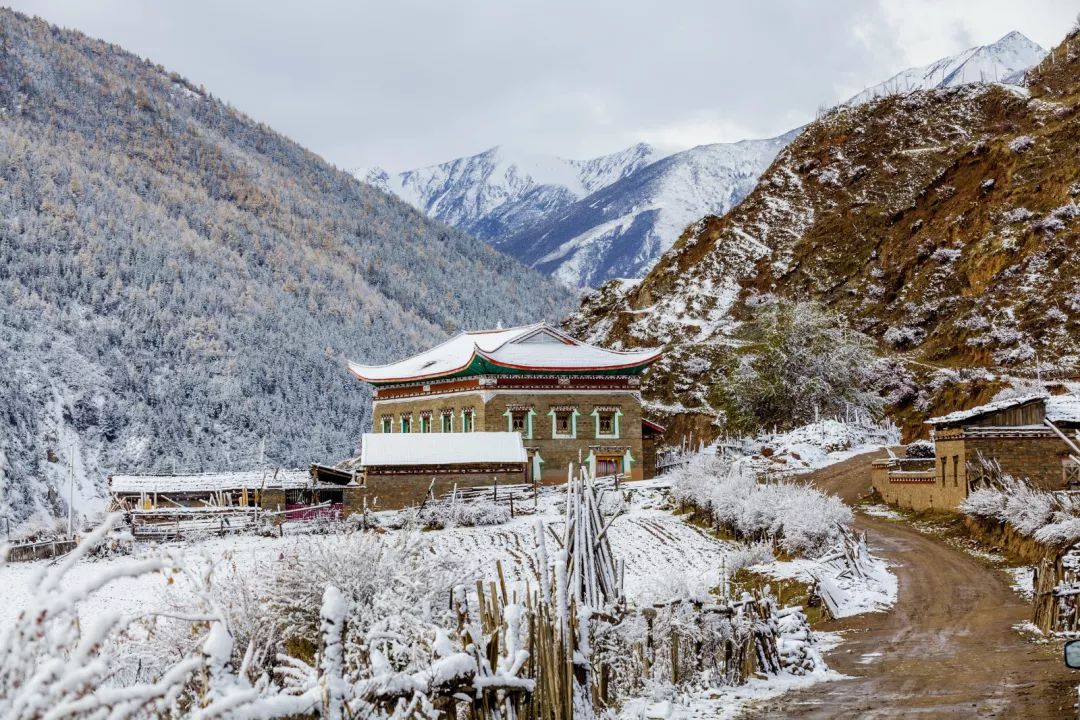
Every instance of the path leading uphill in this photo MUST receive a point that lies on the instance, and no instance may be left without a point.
(946, 650)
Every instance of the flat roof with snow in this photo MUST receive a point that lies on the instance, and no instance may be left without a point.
(428, 449)
(210, 482)
(1063, 409)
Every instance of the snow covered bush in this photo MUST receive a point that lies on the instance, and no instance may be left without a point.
(1019, 214)
(800, 361)
(799, 518)
(920, 449)
(1048, 517)
(393, 581)
(452, 512)
(52, 664)
(1021, 143)
(903, 336)
(946, 255)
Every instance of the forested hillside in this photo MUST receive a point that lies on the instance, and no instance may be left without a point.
(179, 283)
(943, 224)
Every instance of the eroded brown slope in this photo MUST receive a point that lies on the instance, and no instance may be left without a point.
(944, 224)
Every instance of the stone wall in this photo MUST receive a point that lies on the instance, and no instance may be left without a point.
(435, 405)
(558, 453)
(919, 491)
(1037, 459)
(393, 492)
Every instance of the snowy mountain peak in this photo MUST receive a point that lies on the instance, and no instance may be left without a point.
(503, 189)
(1003, 61)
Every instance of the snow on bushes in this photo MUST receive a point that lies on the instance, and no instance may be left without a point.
(799, 360)
(393, 581)
(1047, 517)
(1021, 143)
(799, 518)
(450, 512)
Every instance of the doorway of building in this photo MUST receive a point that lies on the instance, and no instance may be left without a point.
(608, 465)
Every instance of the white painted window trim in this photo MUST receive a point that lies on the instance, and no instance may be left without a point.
(573, 425)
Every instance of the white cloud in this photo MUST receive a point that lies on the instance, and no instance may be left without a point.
(408, 83)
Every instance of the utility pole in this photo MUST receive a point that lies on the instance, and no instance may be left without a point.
(71, 487)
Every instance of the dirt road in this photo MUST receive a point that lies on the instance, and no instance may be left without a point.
(946, 650)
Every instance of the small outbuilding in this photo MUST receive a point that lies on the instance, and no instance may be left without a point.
(1032, 437)
(403, 469)
(291, 492)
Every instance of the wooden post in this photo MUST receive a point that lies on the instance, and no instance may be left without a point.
(674, 658)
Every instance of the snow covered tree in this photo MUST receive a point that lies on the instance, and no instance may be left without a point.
(801, 361)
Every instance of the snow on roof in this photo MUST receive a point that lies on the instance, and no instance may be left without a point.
(537, 347)
(441, 448)
(210, 482)
(961, 415)
(1063, 408)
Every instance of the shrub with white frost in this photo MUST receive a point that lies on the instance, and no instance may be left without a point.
(393, 581)
(1048, 517)
(800, 518)
(1021, 143)
(452, 512)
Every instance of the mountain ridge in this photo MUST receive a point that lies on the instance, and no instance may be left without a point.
(939, 222)
(1004, 61)
(555, 225)
(180, 285)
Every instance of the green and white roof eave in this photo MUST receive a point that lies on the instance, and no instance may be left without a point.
(528, 350)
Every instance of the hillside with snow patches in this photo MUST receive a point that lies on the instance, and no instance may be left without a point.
(1004, 61)
(941, 223)
(180, 285)
(586, 222)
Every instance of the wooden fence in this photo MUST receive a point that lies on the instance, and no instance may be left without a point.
(25, 552)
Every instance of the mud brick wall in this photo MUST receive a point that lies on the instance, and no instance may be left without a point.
(1037, 459)
(558, 453)
(393, 492)
(272, 500)
(919, 492)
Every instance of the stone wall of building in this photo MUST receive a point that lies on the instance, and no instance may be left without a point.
(435, 405)
(957, 461)
(1037, 459)
(915, 491)
(558, 452)
(393, 492)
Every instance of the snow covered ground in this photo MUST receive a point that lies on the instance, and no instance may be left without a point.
(876, 592)
(666, 557)
(815, 446)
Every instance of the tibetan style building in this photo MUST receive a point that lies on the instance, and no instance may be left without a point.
(569, 401)
(1031, 438)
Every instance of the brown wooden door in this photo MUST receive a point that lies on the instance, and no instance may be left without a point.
(607, 466)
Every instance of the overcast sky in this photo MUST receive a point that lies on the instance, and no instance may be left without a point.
(401, 83)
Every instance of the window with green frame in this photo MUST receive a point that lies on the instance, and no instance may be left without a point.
(387, 424)
(466, 421)
(406, 422)
(425, 423)
(448, 421)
